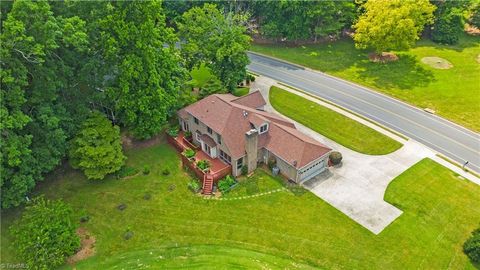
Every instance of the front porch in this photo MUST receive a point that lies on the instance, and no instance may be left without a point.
(217, 170)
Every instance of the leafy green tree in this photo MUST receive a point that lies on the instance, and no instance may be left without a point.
(96, 149)
(145, 73)
(472, 246)
(300, 20)
(34, 118)
(392, 24)
(449, 21)
(475, 15)
(212, 86)
(45, 234)
(217, 40)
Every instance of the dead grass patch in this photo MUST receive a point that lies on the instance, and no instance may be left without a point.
(87, 246)
(437, 62)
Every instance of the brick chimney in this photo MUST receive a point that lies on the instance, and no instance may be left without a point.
(251, 147)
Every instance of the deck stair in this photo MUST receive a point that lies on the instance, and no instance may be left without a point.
(207, 184)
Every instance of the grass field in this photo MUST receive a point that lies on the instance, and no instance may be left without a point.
(287, 229)
(331, 124)
(453, 93)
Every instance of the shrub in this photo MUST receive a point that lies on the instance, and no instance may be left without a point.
(128, 234)
(472, 246)
(173, 131)
(335, 157)
(272, 162)
(225, 184)
(96, 148)
(188, 134)
(166, 171)
(252, 78)
(244, 169)
(146, 170)
(203, 164)
(126, 171)
(194, 186)
(84, 218)
(45, 234)
(147, 196)
(189, 153)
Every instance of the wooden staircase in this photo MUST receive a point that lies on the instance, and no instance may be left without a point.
(207, 184)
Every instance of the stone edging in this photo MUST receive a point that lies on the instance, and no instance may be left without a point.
(246, 197)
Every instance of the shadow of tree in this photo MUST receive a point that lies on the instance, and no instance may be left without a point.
(465, 41)
(405, 73)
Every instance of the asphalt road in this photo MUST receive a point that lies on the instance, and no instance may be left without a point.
(449, 139)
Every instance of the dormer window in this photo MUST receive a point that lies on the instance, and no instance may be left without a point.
(209, 130)
(263, 128)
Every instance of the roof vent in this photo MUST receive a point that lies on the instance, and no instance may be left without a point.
(294, 163)
(245, 114)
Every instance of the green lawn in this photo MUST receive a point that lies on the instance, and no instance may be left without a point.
(240, 91)
(453, 93)
(331, 124)
(176, 228)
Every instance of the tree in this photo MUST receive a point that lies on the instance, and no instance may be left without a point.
(33, 117)
(449, 21)
(212, 86)
(217, 40)
(145, 75)
(96, 149)
(392, 24)
(45, 234)
(295, 20)
(472, 246)
(475, 15)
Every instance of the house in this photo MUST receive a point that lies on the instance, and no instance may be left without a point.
(240, 133)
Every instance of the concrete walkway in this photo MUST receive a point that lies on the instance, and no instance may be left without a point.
(357, 188)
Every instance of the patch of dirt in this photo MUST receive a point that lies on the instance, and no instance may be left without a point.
(437, 62)
(384, 57)
(129, 142)
(478, 58)
(471, 30)
(87, 246)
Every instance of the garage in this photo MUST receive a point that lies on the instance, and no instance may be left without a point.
(311, 171)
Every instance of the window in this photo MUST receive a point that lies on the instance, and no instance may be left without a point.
(219, 139)
(263, 128)
(240, 163)
(198, 135)
(225, 157)
(195, 120)
(209, 130)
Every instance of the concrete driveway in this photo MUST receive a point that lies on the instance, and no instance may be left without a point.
(358, 186)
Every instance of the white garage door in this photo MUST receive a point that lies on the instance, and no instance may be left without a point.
(312, 170)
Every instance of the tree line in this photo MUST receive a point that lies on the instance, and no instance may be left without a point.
(64, 65)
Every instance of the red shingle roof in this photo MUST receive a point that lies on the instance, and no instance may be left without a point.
(232, 120)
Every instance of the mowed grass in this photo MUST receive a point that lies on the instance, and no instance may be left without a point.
(331, 124)
(282, 230)
(240, 91)
(453, 93)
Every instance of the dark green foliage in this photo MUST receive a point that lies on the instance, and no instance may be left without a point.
(128, 234)
(173, 131)
(472, 246)
(146, 169)
(147, 196)
(166, 171)
(225, 184)
(188, 134)
(301, 20)
(36, 116)
(449, 22)
(272, 162)
(212, 86)
(145, 73)
(217, 40)
(121, 206)
(189, 153)
(126, 171)
(96, 148)
(244, 170)
(194, 185)
(335, 157)
(84, 218)
(475, 16)
(203, 164)
(45, 235)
